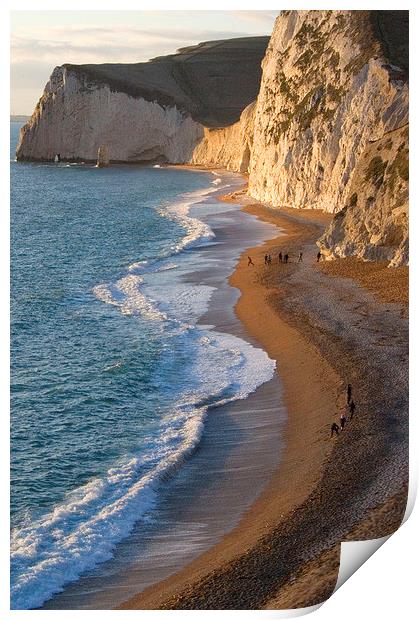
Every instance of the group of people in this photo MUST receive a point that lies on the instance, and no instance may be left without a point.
(350, 408)
(335, 429)
(283, 258)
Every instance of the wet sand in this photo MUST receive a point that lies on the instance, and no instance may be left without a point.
(239, 451)
(324, 331)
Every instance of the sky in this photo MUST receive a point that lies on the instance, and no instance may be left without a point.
(41, 40)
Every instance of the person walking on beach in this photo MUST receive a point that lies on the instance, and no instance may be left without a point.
(334, 429)
(352, 408)
(269, 259)
(342, 421)
(300, 257)
(266, 259)
(250, 262)
(349, 393)
(319, 255)
(280, 257)
(286, 258)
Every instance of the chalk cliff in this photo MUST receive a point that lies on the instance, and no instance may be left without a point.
(330, 128)
(335, 83)
(229, 147)
(374, 222)
(325, 126)
(144, 111)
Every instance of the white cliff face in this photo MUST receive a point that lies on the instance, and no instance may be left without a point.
(74, 118)
(374, 224)
(328, 130)
(330, 101)
(325, 94)
(229, 147)
(144, 111)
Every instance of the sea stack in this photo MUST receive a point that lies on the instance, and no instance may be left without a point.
(102, 156)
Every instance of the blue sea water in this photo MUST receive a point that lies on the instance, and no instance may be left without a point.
(112, 376)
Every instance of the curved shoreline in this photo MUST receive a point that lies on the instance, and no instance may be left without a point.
(283, 535)
(238, 449)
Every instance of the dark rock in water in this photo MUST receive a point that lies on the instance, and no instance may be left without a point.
(102, 156)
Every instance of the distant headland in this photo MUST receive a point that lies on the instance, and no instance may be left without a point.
(19, 118)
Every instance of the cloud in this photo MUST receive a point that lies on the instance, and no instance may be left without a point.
(38, 46)
(267, 17)
(95, 45)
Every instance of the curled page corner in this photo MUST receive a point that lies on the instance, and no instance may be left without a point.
(353, 554)
(411, 498)
(291, 613)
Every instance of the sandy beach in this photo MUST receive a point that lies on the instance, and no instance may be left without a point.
(209, 317)
(239, 449)
(326, 324)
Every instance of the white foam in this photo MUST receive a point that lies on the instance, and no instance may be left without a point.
(216, 368)
(167, 267)
(114, 366)
(228, 367)
(126, 293)
(197, 233)
(83, 530)
(127, 296)
(137, 265)
(181, 301)
(134, 302)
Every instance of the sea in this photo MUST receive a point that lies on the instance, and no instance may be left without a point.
(114, 374)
